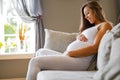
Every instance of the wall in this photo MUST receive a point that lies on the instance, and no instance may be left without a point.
(118, 5)
(62, 15)
(15, 68)
(111, 9)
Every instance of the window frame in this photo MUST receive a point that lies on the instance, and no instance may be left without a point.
(18, 56)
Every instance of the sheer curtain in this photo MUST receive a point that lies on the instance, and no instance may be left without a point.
(31, 10)
(0, 6)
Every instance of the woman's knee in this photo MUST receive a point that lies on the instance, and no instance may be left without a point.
(38, 52)
(33, 61)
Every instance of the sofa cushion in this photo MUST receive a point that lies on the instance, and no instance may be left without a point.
(65, 75)
(93, 64)
(105, 46)
(104, 56)
(58, 40)
(112, 69)
(104, 50)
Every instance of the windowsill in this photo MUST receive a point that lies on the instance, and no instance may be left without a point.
(16, 56)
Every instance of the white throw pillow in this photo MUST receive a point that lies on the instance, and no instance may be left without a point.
(58, 40)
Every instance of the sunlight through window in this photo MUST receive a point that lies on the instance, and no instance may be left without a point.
(16, 37)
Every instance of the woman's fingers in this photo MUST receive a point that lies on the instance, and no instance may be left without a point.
(81, 37)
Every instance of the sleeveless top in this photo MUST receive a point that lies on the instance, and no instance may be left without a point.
(89, 33)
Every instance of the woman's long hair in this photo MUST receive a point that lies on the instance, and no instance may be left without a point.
(97, 9)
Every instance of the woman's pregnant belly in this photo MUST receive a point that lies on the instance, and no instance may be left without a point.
(77, 44)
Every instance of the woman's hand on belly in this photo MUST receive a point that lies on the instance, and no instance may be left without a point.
(82, 37)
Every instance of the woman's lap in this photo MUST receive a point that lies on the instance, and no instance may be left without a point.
(60, 62)
(44, 51)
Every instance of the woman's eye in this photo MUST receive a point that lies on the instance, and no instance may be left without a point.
(87, 13)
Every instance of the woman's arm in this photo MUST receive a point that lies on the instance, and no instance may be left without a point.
(93, 48)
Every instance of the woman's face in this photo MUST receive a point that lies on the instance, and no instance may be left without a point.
(89, 15)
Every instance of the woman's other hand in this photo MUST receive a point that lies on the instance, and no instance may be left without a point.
(81, 37)
(71, 54)
(67, 53)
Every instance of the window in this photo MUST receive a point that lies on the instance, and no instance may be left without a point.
(15, 35)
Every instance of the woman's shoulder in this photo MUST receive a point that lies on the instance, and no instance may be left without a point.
(106, 25)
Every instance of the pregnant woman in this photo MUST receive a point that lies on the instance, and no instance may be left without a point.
(79, 53)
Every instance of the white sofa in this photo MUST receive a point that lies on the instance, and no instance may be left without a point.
(108, 58)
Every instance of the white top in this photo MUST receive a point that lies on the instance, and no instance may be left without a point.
(89, 33)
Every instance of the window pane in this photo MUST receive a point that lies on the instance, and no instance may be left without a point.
(15, 35)
(9, 29)
(10, 44)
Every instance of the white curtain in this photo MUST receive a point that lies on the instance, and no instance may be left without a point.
(31, 10)
(0, 6)
(34, 7)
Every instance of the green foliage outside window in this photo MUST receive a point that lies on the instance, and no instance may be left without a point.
(9, 29)
(1, 44)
